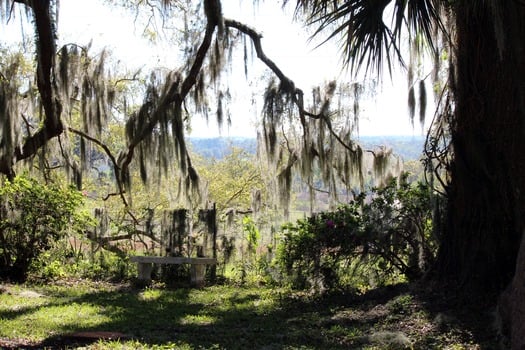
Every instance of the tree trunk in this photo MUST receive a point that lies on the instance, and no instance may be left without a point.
(511, 305)
(487, 189)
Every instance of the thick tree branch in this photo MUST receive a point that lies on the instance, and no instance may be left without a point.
(52, 125)
(177, 92)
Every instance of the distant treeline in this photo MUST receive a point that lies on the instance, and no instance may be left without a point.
(218, 147)
(408, 147)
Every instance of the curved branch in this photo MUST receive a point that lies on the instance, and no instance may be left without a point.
(256, 39)
(287, 83)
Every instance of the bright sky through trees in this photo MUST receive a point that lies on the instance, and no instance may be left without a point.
(286, 43)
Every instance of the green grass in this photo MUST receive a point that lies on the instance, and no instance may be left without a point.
(217, 317)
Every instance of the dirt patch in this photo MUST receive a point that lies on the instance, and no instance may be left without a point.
(24, 293)
(69, 341)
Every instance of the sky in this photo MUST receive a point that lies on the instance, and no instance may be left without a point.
(285, 42)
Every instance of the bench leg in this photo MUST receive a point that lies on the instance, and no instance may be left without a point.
(144, 271)
(198, 271)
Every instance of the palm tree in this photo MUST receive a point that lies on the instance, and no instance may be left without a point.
(485, 115)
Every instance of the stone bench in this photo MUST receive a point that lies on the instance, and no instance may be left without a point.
(197, 269)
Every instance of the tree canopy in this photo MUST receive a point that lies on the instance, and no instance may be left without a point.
(77, 95)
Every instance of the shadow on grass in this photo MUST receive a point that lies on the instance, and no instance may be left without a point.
(467, 315)
(222, 317)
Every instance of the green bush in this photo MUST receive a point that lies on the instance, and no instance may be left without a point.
(385, 234)
(313, 249)
(398, 227)
(33, 216)
(63, 260)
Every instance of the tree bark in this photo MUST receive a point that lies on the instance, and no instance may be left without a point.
(517, 303)
(486, 206)
(511, 305)
(52, 125)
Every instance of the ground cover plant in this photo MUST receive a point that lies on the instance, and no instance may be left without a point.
(235, 317)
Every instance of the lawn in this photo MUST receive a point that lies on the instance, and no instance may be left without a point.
(67, 315)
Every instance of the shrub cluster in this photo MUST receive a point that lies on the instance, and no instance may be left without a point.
(380, 235)
(32, 217)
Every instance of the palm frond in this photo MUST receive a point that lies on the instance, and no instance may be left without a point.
(422, 19)
(366, 41)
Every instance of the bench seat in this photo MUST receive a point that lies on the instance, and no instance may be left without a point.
(197, 268)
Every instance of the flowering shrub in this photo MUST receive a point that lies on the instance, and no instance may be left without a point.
(312, 248)
(388, 229)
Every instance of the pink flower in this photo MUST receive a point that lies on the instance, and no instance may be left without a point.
(330, 224)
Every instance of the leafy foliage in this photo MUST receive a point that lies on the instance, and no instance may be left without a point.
(32, 217)
(389, 230)
(231, 180)
(252, 233)
(70, 260)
